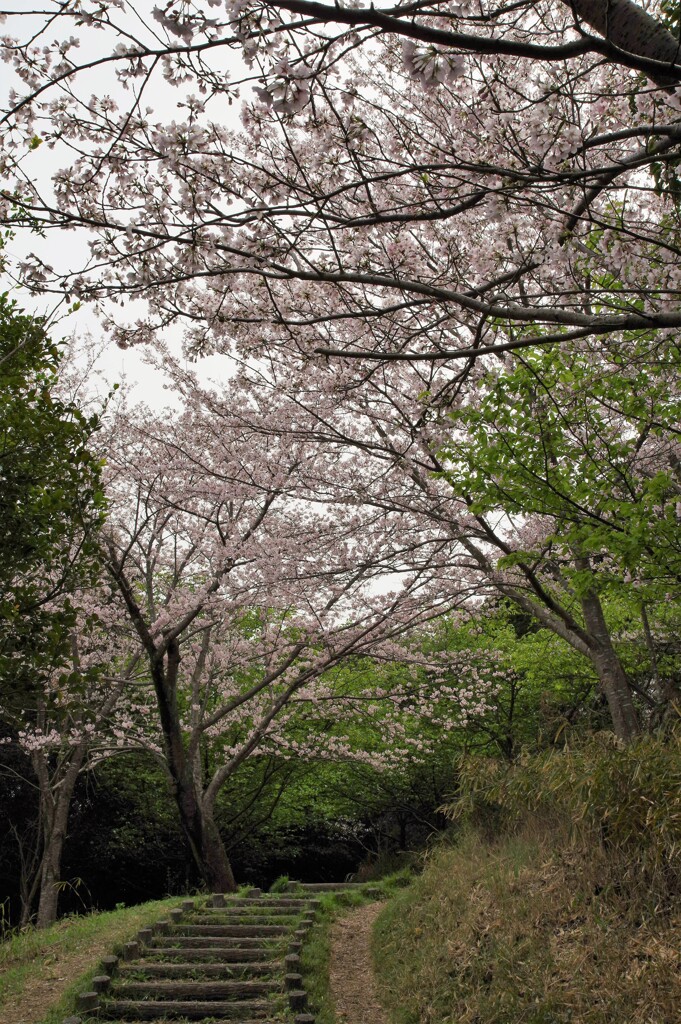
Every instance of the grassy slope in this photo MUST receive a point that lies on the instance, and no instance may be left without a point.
(41, 972)
(522, 933)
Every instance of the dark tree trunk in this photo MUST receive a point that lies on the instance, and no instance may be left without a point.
(196, 814)
(203, 836)
(630, 28)
(56, 803)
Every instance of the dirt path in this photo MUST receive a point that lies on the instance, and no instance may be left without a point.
(53, 974)
(351, 974)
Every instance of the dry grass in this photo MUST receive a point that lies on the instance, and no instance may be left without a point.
(522, 932)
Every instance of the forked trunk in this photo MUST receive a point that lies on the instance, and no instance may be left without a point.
(55, 805)
(216, 869)
(204, 839)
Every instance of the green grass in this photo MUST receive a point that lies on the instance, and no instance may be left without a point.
(24, 956)
(522, 932)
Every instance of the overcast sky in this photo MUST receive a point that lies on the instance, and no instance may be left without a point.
(69, 248)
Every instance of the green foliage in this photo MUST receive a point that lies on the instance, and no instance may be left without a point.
(546, 688)
(280, 884)
(589, 449)
(124, 835)
(51, 501)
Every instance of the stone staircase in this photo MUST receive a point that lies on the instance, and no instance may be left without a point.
(232, 959)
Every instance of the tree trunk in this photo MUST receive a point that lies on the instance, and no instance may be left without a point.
(203, 836)
(611, 675)
(49, 881)
(217, 871)
(56, 794)
(55, 818)
(615, 686)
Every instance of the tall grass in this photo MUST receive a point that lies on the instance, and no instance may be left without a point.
(519, 933)
(558, 904)
(621, 806)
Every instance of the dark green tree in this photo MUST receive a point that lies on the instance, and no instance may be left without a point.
(51, 507)
(51, 501)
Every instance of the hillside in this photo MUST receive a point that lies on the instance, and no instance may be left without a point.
(526, 931)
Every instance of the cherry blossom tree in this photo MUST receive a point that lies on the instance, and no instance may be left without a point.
(556, 475)
(468, 174)
(75, 717)
(432, 188)
(247, 570)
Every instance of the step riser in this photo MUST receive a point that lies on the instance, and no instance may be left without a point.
(209, 970)
(201, 990)
(230, 955)
(230, 930)
(256, 920)
(209, 942)
(256, 904)
(191, 1010)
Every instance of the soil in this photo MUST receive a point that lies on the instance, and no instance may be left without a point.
(351, 974)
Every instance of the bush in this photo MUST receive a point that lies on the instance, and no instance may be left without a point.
(624, 801)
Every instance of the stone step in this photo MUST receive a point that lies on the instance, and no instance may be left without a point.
(191, 1009)
(229, 930)
(208, 1020)
(263, 903)
(206, 941)
(195, 990)
(206, 954)
(208, 969)
(235, 915)
(327, 886)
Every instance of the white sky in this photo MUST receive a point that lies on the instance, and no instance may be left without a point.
(142, 381)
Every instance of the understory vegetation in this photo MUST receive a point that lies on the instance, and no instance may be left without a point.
(557, 901)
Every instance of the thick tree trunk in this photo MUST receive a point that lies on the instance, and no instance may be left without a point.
(205, 842)
(217, 870)
(618, 693)
(196, 814)
(630, 28)
(49, 882)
